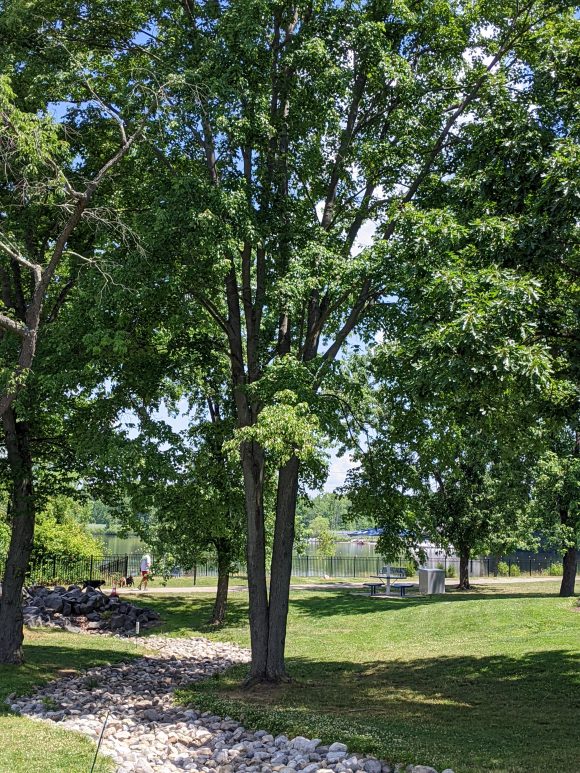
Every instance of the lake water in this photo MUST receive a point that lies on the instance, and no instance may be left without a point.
(121, 546)
(132, 544)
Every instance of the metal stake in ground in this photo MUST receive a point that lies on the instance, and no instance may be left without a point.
(100, 740)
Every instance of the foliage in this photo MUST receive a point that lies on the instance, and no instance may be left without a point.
(325, 540)
(554, 570)
(556, 491)
(61, 530)
(508, 570)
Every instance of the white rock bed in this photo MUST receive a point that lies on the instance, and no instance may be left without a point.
(147, 733)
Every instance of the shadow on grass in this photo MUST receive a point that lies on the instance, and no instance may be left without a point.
(472, 714)
(328, 603)
(185, 614)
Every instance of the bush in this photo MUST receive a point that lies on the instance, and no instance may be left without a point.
(504, 570)
(451, 571)
(555, 570)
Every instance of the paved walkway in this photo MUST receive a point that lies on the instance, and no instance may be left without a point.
(159, 589)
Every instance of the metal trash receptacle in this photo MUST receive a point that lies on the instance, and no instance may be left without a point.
(431, 581)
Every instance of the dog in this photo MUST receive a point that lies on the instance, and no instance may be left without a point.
(126, 581)
(96, 584)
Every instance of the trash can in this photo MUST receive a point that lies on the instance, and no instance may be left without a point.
(431, 581)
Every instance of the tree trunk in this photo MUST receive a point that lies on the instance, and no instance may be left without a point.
(224, 552)
(253, 469)
(569, 574)
(282, 569)
(464, 570)
(22, 511)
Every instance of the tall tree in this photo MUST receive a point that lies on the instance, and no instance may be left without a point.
(311, 121)
(556, 500)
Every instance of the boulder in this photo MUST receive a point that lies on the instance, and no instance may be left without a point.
(96, 625)
(54, 601)
(117, 621)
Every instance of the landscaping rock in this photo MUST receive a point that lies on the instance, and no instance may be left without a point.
(146, 731)
(73, 609)
(54, 601)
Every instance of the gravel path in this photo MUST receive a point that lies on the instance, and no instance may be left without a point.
(147, 733)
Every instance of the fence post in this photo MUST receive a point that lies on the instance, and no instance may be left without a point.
(307, 565)
(91, 569)
(331, 572)
(530, 566)
(354, 566)
(509, 567)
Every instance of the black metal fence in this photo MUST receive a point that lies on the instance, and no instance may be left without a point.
(110, 568)
(367, 566)
(53, 570)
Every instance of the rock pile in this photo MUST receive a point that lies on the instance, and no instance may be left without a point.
(145, 732)
(87, 610)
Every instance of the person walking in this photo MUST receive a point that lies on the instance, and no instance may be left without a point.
(145, 567)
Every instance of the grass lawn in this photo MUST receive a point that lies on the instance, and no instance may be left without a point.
(477, 681)
(480, 681)
(27, 746)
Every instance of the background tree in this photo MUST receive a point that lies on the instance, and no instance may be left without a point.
(556, 501)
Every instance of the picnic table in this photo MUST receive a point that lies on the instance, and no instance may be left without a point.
(389, 573)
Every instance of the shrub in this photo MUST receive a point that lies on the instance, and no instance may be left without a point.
(451, 571)
(410, 568)
(555, 570)
(502, 569)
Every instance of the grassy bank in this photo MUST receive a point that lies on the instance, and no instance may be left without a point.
(486, 680)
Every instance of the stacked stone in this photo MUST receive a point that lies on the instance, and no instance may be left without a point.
(145, 732)
(79, 610)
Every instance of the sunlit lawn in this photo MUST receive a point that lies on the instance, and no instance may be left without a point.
(486, 680)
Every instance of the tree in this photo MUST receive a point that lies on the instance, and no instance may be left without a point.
(320, 530)
(556, 500)
(294, 125)
(433, 470)
(50, 201)
(198, 508)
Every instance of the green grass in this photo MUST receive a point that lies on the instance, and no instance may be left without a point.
(485, 680)
(479, 681)
(27, 746)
